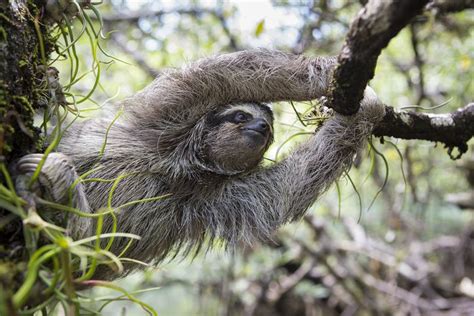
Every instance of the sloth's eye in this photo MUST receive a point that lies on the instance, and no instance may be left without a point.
(241, 117)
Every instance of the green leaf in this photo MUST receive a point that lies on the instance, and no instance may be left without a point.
(260, 28)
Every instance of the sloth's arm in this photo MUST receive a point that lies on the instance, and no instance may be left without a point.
(286, 190)
(246, 76)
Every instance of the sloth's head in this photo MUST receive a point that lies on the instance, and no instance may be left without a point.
(228, 140)
(238, 136)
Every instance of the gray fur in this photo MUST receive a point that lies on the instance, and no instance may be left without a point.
(159, 140)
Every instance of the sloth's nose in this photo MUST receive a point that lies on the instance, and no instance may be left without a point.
(259, 125)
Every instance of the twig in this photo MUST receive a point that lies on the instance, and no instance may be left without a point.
(134, 16)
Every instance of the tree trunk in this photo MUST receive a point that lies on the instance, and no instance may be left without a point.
(25, 46)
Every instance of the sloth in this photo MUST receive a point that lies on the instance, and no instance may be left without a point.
(196, 137)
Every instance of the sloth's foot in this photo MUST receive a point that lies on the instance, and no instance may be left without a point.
(55, 179)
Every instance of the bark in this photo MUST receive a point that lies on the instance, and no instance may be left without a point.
(375, 25)
(19, 69)
(22, 93)
(453, 129)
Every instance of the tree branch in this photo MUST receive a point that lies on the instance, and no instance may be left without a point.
(134, 16)
(453, 129)
(370, 32)
(451, 6)
(121, 41)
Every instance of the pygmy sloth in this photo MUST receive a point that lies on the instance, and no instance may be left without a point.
(198, 135)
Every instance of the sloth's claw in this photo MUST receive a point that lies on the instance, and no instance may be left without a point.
(57, 173)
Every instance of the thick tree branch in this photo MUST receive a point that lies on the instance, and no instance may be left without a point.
(370, 32)
(453, 129)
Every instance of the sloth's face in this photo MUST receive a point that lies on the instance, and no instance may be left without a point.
(238, 136)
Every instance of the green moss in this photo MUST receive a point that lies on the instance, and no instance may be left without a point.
(23, 63)
(24, 102)
(22, 92)
(3, 34)
(11, 275)
(6, 18)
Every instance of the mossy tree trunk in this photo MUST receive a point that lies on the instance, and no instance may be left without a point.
(24, 50)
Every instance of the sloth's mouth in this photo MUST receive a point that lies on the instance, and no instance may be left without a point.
(258, 138)
(254, 131)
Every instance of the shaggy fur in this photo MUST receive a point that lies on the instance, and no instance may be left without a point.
(158, 144)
